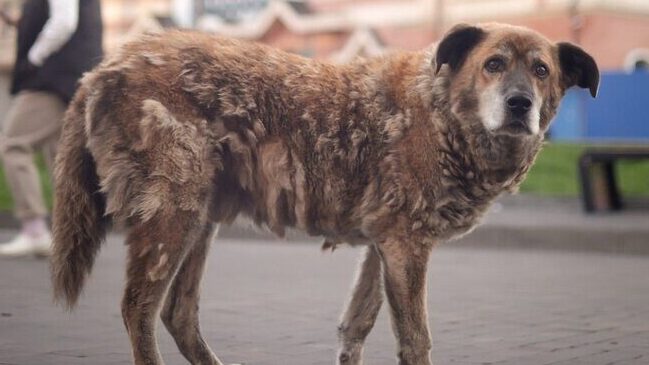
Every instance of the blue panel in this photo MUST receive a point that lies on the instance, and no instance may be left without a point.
(569, 121)
(621, 108)
(619, 113)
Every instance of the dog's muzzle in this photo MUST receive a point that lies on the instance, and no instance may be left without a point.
(518, 110)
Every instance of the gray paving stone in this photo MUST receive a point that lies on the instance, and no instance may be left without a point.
(611, 357)
(278, 303)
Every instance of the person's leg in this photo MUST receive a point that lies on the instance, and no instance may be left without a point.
(48, 147)
(34, 120)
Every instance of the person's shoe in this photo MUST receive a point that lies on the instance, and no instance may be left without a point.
(24, 245)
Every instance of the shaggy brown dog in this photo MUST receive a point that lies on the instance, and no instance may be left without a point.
(181, 131)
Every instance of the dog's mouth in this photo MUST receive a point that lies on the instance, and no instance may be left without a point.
(516, 127)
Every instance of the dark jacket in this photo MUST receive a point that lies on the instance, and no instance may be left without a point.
(61, 70)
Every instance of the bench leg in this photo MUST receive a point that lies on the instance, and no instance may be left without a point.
(611, 182)
(586, 184)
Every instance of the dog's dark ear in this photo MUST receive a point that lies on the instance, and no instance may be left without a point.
(455, 46)
(578, 68)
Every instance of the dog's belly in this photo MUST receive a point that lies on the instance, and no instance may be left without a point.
(287, 191)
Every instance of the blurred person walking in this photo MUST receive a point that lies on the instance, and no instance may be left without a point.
(58, 40)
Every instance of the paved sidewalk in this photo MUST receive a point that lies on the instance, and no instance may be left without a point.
(527, 221)
(277, 303)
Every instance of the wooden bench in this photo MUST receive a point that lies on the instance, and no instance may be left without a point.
(597, 175)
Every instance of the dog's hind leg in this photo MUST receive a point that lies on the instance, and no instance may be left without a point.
(180, 311)
(362, 309)
(157, 248)
(404, 272)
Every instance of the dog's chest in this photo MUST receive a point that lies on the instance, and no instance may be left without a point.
(451, 198)
(452, 212)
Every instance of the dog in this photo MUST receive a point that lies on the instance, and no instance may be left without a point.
(177, 133)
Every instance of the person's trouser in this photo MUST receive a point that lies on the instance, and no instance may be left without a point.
(33, 122)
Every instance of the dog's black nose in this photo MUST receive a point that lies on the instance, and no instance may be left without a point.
(519, 104)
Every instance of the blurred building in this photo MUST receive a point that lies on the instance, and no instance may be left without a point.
(124, 19)
(231, 10)
(616, 32)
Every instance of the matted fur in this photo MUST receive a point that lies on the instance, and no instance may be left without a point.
(181, 131)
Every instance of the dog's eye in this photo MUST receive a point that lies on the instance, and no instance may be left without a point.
(541, 70)
(494, 65)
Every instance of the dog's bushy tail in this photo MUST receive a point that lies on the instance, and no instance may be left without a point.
(78, 221)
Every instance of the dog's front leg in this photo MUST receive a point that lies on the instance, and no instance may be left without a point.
(404, 273)
(362, 309)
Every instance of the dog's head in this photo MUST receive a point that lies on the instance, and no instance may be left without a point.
(510, 79)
